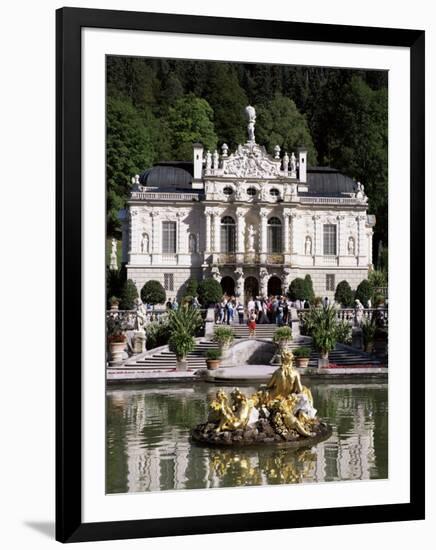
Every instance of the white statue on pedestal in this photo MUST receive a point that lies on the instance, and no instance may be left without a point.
(351, 247)
(251, 115)
(251, 234)
(293, 165)
(144, 243)
(113, 261)
(141, 315)
(308, 246)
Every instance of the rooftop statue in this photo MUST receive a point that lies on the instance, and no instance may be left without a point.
(251, 115)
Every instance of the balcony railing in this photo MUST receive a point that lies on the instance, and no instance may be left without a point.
(274, 259)
(139, 195)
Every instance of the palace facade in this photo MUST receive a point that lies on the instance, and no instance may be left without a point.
(252, 220)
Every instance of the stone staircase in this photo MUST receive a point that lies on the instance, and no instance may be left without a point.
(262, 330)
(166, 360)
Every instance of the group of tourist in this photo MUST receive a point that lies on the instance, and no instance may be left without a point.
(271, 310)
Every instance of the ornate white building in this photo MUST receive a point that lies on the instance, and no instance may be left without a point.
(251, 220)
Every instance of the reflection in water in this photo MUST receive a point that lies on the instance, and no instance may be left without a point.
(149, 449)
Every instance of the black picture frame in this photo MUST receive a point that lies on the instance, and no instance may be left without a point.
(69, 23)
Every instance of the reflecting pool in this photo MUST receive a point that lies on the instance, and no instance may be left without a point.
(148, 447)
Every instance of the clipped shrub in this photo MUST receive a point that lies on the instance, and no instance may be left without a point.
(308, 286)
(209, 292)
(223, 335)
(153, 293)
(213, 354)
(297, 289)
(129, 294)
(302, 352)
(344, 295)
(364, 292)
(282, 334)
(191, 287)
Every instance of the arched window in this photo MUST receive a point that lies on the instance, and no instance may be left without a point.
(274, 236)
(228, 234)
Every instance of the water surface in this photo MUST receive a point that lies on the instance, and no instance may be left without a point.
(148, 446)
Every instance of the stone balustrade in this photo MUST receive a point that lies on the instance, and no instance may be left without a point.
(127, 317)
(356, 317)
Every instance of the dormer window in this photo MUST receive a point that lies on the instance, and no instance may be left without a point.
(251, 192)
(274, 192)
(228, 191)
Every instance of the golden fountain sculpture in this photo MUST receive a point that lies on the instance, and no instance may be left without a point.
(281, 412)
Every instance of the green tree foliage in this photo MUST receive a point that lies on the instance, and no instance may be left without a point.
(228, 101)
(129, 294)
(364, 292)
(302, 289)
(322, 326)
(185, 319)
(190, 121)
(280, 123)
(297, 289)
(309, 292)
(340, 115)
(191, 287)
(209, 292)
(153, 293)
(129, 149)
(344, 295)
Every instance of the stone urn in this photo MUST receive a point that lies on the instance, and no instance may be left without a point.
(182, 364)
(117, 349)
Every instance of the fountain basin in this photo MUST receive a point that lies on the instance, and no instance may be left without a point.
(260, 434)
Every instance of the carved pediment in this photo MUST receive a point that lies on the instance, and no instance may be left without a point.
(250, 161)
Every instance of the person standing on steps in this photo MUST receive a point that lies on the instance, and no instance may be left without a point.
(252, 324)
(240, 310)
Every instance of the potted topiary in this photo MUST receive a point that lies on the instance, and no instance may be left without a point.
(369, 329)
(302, 356)
(181, 343)
(283, 338)
(223, 336)
(116, 340)
(213, 359)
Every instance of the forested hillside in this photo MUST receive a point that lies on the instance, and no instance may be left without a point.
(157, 108)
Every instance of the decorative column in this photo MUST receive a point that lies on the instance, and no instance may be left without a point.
(216, 231)
(208, 243)
(360, 238)
(240, 235)
(286, 215)
(155, 249)
(316, 236)
(340, 245)
(370, 234)
(263, 233)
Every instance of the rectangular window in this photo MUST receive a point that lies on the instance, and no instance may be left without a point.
(329, 239)
(168, 237)
(330, 282)
(169, 281)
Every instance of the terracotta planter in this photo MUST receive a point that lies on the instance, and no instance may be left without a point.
(324, 354)
(284, 345)
(302, 362)
(213, 364)
(117, 350)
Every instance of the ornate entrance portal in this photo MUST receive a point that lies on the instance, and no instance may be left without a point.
(251, 288)
(274, 286)
(228, 286)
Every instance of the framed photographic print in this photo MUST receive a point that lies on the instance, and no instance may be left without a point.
(240, 231)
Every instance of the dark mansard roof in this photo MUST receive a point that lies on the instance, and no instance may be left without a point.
(172, 176)
(177, 176)
(328, 181)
